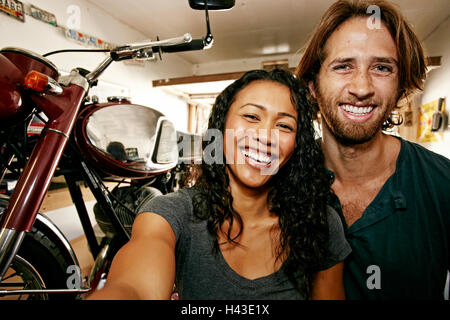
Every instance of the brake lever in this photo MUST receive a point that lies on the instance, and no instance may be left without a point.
(142, 49)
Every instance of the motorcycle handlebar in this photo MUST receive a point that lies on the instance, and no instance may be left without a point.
(142, 49)
(197, 44)
(186, 38)
(131, 51)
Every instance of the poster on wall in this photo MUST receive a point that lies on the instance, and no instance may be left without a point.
(424, 133)
(86, 40)
(13, 8)
(42, 15)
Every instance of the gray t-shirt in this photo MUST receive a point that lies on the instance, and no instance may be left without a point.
(200, 274)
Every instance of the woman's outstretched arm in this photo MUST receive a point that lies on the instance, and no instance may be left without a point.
(328, 284)
(144, 268)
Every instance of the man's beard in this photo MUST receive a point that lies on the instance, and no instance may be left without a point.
(348, 133)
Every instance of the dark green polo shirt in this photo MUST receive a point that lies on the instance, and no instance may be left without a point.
(400, 245)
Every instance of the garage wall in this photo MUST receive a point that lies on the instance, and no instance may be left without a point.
(437, 84)
(135, 80)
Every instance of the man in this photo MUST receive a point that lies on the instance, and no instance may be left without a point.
(394, 196)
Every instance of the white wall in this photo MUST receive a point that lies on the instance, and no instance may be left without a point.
(39, 37)
(437, 84)
(132, 80)
(243, 64)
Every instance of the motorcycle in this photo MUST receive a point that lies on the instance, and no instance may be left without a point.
(86, 143)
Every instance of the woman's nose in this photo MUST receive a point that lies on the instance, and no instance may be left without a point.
(265, 134)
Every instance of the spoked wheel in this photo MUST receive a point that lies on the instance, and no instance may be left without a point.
(45, 260)
(21, 275)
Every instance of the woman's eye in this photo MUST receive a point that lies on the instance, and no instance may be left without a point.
(286, 127)
(251, 117)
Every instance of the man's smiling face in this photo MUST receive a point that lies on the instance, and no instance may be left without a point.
(358, 83)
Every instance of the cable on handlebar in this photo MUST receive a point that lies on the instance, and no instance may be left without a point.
(75, 50)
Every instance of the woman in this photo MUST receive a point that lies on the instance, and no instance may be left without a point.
(255, 225)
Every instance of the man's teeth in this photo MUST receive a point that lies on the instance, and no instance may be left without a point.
(356, 110)
(257, 157)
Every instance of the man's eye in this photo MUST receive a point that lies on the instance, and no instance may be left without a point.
(342, 67)
(383, 68)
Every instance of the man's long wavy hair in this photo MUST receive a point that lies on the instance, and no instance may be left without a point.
(411, 64)
(298, 192)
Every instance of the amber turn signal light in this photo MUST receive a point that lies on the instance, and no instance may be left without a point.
(36, 81)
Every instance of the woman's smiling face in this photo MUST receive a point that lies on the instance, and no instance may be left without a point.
(260, 132)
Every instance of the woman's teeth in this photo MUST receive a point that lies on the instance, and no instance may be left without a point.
(356, 110)
(261, 158)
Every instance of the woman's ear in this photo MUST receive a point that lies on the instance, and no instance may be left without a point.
(312, 89)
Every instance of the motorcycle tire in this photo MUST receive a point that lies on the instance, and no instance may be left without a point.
(46, 258)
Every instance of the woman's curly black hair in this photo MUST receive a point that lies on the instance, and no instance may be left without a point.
(298, 191)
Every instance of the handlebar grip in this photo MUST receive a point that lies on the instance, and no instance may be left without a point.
(197, 44)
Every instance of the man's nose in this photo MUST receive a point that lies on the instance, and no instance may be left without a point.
(361, 85)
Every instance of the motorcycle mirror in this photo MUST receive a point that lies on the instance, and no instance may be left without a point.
(212, 4)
